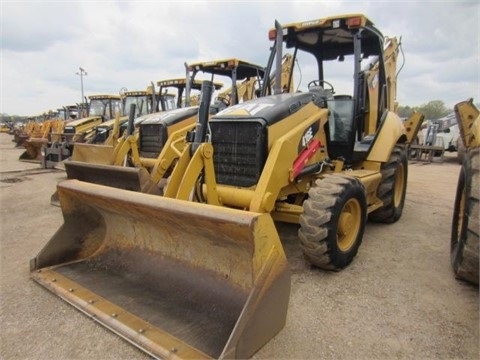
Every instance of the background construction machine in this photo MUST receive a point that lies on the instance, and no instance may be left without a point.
(100, 109)
(147, 160)
(114, 152)
(91, 162)
(200, 271)
(39, 138)
(108, 132)
(39, 132)
(466, 216)
(145, 101)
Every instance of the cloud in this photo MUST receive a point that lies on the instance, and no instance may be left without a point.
(33, 26)
(131, 43)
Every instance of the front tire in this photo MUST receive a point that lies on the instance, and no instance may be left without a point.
(464, 249)
(393, 187)
(333, 222)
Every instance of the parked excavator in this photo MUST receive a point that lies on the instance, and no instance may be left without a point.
(200, 272)
(100, 109)
(464, 250)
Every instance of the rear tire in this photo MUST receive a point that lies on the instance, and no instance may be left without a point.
(464, 250)
(393, 187)
(461, 150)
(333, 222)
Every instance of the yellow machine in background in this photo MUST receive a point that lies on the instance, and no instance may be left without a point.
(115, 149)
(200, 272)
(91, 161)
(98, 145)
(100, 109)
(39, 138)
(5, 128)
(161, 136)
(39, 133)
(466, 215)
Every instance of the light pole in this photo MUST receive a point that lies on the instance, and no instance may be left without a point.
(82, 73)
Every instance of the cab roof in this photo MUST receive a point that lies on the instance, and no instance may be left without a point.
(332, 36)
(182, 82)
(136, 93)
(224, 67)
(103, 97)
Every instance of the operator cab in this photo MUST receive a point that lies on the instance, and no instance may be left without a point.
(347, 54)
(244, 77)
(106, 106)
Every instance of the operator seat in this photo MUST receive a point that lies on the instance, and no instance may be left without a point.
(322, 98)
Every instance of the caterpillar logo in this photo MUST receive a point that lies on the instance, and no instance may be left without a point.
(308, 136)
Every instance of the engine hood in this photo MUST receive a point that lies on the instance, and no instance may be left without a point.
(170, 116)
(270, 108)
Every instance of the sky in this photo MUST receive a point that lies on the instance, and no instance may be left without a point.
(129, 44)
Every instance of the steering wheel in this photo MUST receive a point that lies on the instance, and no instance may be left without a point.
(321, 83)
(224, 99)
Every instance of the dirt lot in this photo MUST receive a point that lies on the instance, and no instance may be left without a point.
(397, 300)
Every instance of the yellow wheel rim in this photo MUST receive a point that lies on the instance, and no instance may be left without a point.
(349, 224)
(399, 185)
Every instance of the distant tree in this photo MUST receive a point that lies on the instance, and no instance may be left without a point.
(404, 111)
(434, 110)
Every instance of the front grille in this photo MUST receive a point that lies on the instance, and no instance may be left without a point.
(240, 150)
(100, 137)
(152, 139)
(69, 130)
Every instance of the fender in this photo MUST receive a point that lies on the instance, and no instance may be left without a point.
(468, 120)
(390, 133)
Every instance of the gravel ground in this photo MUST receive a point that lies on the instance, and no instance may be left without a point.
(397, 300)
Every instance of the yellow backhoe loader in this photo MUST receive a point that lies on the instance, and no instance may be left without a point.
(162, 136)
(157, 130)
(466, 217)
(115, 149)
(33, 127)
(200, 272)
(90, 161)
(39, 138)
(108, 132)
(35, 131)
(100, 109)
(22, 133)
(6, 127)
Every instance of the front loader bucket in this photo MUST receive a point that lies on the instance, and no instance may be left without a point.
(33, 149)
(175, 278)
(93, 153)
(120, 177)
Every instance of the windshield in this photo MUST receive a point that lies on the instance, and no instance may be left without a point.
(105, 107)
(97, 107)
(143, 106)
(170, 103)
(62, 114)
